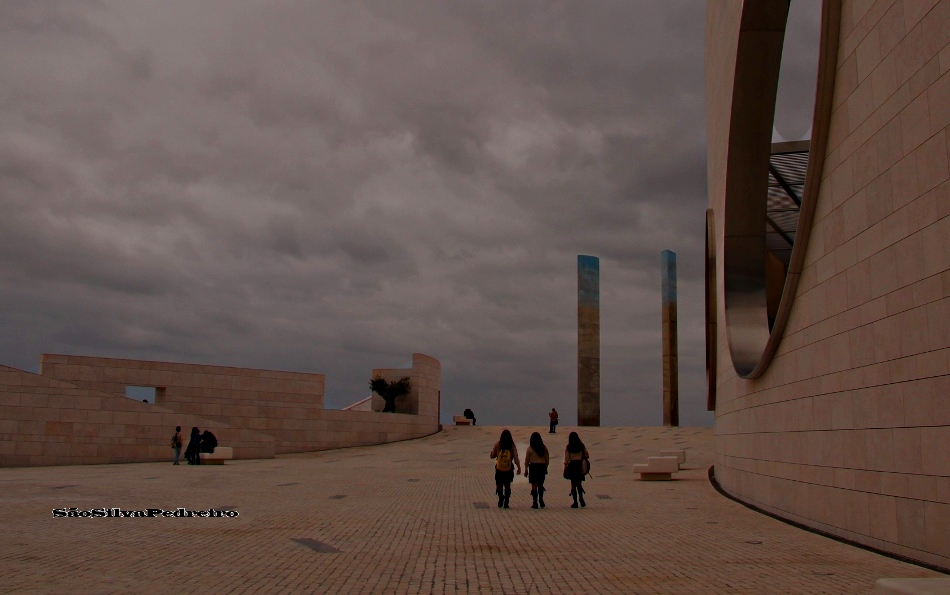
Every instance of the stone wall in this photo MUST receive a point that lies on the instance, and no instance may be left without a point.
(47, 422)
(848, 429)
(285, 405)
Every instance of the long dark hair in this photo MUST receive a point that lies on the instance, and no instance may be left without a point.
(194, 431)
(574, 443)
(505, 442)
(537, 445)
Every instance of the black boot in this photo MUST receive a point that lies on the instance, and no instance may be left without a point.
(541, 496)
(507, 495)
(534, 498)
(581, 495)
(501, 496)
(574, 495)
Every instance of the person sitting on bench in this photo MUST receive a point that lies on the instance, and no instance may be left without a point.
(467, 414)
(208, 442)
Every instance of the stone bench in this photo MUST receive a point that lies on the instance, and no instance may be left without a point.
(657, 468)
(218, 457)
(912, 586)
(679, 454)
(461, 420)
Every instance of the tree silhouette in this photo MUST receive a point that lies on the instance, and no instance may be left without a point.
(390, 391)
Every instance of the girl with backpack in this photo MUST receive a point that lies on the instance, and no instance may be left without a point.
(536, 468)
(505, 453)
(575, 461)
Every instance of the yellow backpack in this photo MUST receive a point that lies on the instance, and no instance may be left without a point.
(503, 462)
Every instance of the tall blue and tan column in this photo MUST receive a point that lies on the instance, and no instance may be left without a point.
(671, 385)
(588, 341)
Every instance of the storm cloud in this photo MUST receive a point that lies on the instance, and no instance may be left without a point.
(331, 186)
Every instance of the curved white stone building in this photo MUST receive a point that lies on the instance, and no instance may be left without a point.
(828, 273)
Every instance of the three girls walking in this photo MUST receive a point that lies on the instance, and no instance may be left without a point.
(536, 462)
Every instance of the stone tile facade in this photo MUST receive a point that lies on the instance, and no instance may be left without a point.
(285, 405)
(75, 411)
(47, 422)
(848, 429)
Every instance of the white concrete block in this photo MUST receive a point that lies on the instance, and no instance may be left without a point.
(679, 454)
(912, 586)
(663, 464)
(218, 457)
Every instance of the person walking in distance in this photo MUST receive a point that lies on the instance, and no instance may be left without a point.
(536, 468)
(505, 454)
(176, 444)
(575, 458)
(553, 417)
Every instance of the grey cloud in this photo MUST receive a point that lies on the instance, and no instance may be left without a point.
(799, 70)
(330, 187)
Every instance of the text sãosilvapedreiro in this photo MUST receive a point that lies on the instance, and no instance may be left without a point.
(147, 513)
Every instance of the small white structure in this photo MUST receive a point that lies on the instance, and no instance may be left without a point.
(657, 468)
(912, 586)
(218, 457)
(679, 454)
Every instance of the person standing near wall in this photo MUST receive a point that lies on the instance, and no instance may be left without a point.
(536, 468)
(553, 417)
(176, 444)
(194, 446)
(505, 454)
(575, 456)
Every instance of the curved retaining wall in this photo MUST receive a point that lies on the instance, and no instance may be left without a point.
(848, 428)
(75, 411)
(287, 406)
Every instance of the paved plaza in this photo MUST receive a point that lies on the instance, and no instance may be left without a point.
(415, 517)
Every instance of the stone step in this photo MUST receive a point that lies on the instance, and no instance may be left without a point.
(663, 464)
(912, 586)
(679, 454)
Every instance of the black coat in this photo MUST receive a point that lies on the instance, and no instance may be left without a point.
(208, 442)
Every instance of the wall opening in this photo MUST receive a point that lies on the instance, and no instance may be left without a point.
(791, 139)
(780, 101)
(148, 394)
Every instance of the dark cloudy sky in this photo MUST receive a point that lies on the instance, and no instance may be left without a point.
(331, 186)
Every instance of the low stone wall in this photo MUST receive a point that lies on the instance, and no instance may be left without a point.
(44, 421)
(343, 429)
(285, 405)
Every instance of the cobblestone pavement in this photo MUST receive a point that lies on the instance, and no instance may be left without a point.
(411, 517)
